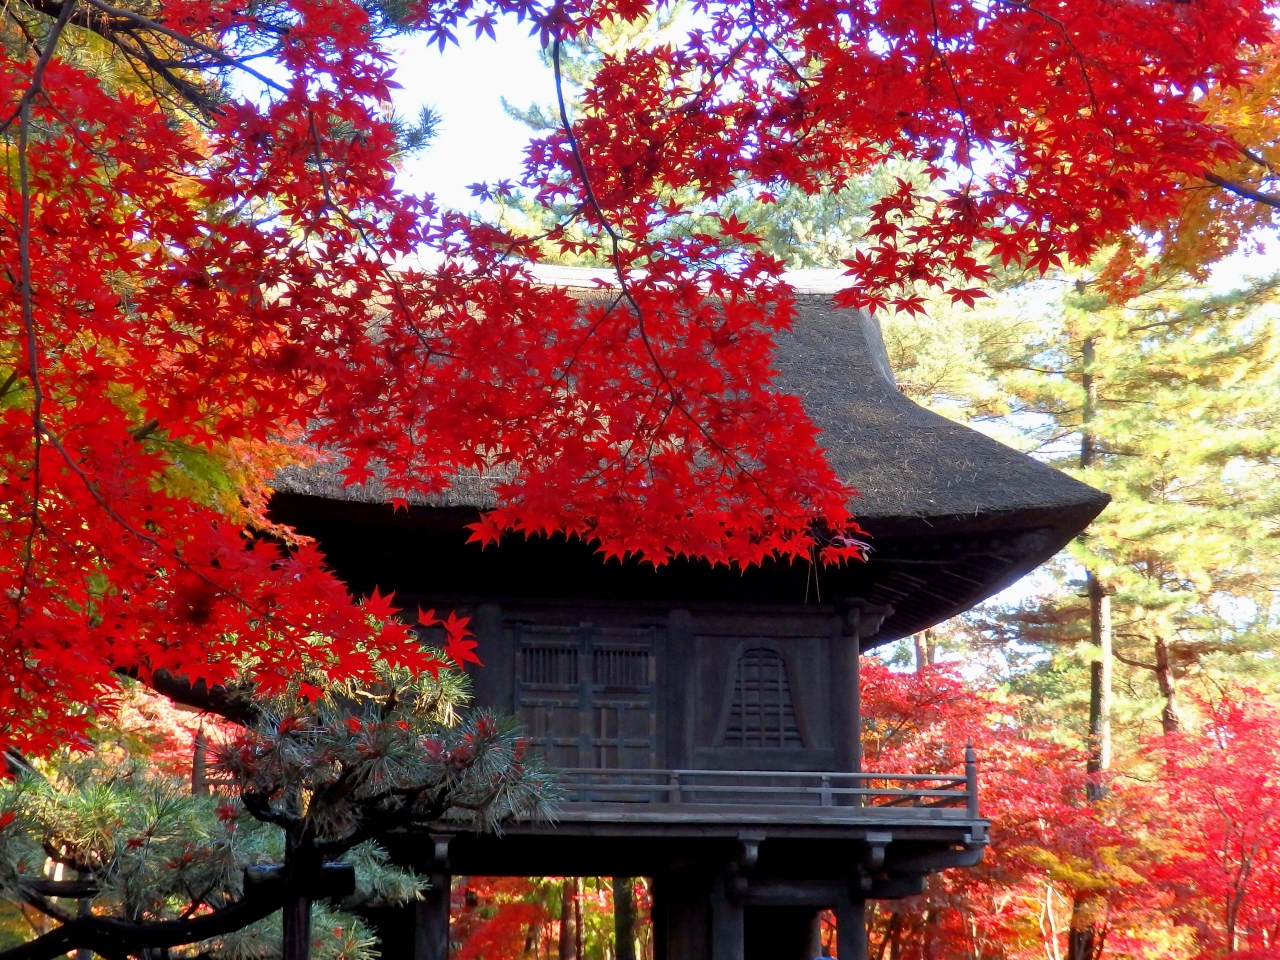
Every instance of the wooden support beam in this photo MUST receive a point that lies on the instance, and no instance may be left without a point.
(727, 931)
(431, 921)
(851, 929)
(682, 915)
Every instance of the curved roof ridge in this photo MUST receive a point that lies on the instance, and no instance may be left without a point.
(813, 280)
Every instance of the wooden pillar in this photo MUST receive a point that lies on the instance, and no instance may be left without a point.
(855, 657)
(431, 920)
(845, 698)
(675, 676)
(860, 621)
(658, 916)
(851, 929)
(682, 915)
(727, 928)
(493, 684)
(783, 933)
(813, 941)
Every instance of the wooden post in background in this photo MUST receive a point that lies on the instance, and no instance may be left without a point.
(624, 918)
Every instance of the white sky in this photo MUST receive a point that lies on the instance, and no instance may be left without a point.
(477, 141)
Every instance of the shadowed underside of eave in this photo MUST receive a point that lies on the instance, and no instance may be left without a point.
(926, 573)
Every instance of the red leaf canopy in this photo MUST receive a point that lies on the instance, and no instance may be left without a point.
(205, 256)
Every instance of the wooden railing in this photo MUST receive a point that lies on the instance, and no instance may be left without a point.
(773, 788)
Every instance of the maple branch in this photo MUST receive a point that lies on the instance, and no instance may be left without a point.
(1244, 190)
(1070, 44)
(615, 239)
(758, 31)
(396, 286)
(28, 308)
(39, 430)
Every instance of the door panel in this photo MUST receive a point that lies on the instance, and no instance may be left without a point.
(586, 694)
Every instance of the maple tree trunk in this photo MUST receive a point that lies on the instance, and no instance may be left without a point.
(1233, 914)
(624, 918)
(929, 936)
(1088, 933)
(1170, 717)
(532, 940)
(569, 920)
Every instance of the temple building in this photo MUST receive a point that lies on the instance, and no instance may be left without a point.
(705, 720)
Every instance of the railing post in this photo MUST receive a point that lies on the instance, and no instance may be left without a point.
(826, 790)
(673, 787)
(971, 780)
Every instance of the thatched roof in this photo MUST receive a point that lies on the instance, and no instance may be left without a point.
(953, 516)
(905, 461)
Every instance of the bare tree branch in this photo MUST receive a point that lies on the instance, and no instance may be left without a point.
(1244, 190)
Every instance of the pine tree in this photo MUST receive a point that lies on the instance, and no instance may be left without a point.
(309, 787)
(1182, 430)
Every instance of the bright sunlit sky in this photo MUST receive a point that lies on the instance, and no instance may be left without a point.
(477, 141)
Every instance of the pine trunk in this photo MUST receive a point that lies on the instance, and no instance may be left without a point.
(926, 649)
(569, 920)
(1099, 684)
(1170, 716)
(1099, 601)
(200, 765)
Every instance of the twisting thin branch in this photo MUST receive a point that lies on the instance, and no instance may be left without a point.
(221, 56)
(28, 305)
(616, 239)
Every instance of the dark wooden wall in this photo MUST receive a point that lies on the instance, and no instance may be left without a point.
(639, 686)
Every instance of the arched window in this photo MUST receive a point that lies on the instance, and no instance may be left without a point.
(761, 713)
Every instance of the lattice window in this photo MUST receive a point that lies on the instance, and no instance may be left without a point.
(549, 666)
(621, 668)
(762, 713)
